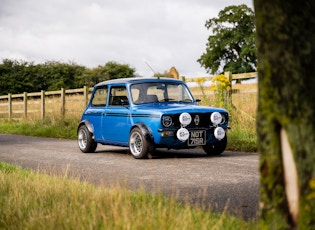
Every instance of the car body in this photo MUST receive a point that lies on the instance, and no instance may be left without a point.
(148, 113)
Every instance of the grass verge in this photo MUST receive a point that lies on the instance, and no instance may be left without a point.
(31, 200)
(242, 136)
(57, 127)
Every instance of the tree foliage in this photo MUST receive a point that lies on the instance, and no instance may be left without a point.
(111, 70)
(15, 76)
(55, 75)
(21, 76)
(231, 47)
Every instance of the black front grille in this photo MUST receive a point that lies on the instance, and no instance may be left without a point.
(204, 120)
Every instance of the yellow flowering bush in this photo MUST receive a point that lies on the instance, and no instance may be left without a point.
(221, 87)
(200, 82)
(220, 82)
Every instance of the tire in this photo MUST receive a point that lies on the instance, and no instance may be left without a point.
(85, 140)
(139, 146)
(217, 148)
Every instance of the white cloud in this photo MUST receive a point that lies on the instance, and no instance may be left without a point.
(162, 33)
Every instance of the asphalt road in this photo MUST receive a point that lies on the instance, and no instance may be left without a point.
(227, 183)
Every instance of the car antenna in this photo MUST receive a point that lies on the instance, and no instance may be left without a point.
(151, 68)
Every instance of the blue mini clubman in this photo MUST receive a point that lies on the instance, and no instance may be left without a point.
(148, 113)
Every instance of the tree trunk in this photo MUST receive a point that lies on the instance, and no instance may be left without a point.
(286, 112)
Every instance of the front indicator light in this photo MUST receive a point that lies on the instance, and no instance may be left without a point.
(167, 134)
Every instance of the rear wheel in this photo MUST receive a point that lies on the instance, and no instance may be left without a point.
(139, 146)
(217, 148)
(85, 140)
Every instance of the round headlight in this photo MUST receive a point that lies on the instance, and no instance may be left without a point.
(185, 119)
(167, 121)
(219, 133)
(182, 134)
(216, 118)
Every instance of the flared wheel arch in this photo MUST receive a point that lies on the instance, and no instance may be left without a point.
(145, 131)
(88, 125)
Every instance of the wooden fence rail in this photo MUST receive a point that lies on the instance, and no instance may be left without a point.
(10, 105)
(41, 98)
(237, 77)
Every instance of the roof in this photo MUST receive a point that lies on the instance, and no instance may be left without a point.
(138, 80)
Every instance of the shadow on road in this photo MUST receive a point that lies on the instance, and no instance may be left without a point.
(163, 153)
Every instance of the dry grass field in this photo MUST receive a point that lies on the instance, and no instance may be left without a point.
(244, 98)
(74, 106)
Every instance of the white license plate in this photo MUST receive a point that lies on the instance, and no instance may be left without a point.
(197, 137)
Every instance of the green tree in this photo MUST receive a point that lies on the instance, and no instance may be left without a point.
(21, 76)
(58, 75)
(231, 47)
(16, 76)
(111, 70)
(286, 112)
(114, 70)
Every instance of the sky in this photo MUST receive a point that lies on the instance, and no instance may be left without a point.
(145, 34)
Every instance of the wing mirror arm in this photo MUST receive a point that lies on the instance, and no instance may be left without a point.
(124, 103)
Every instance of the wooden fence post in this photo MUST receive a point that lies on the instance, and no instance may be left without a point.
(10, 106)
(42, 95)
(25, 104)
(228, 95)
(63, 101)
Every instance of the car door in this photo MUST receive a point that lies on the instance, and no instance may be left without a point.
(116, 122)
(96, 111)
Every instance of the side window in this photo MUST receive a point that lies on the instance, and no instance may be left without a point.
(118, 96)
(100, 96)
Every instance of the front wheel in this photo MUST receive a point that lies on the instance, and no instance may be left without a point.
(217, 148)
(85, 140)
(139, 146)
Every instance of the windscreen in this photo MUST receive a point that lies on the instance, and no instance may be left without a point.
(144, 93)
